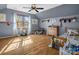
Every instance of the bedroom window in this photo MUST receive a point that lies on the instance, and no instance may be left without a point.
(34, 21)
(22, 24)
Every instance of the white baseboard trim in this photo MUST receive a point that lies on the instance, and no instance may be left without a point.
(6, 37)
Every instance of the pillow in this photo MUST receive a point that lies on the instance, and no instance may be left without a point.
(72, 31)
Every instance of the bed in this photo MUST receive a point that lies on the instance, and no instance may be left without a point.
(72, 36)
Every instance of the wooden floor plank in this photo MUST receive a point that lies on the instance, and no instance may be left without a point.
(27, 45)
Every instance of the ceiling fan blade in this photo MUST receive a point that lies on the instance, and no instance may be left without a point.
(39, 8)
(36, 10)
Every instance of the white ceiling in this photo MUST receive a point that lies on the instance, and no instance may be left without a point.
(20, 7)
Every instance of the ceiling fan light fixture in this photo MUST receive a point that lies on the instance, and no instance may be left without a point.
(34, 7)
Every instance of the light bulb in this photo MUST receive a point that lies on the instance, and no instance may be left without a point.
(74, 20)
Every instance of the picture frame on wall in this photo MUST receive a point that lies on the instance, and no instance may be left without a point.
(2, 17)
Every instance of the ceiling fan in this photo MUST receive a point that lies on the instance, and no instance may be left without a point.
(34, 7)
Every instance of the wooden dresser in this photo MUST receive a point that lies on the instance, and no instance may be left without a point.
(53, 30)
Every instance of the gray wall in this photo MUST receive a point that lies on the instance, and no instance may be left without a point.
(56, 13)
(63, 10)
(3, 6)
(55, 21)
(8, 30)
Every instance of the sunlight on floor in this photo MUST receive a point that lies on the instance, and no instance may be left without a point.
(5, 47)
(16, 40)
(16, 43)
(26, 42)
(25, 45)
(27, 38)
(12, 47)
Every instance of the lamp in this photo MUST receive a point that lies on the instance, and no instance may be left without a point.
(64, 20)
(69, 20)
(73, 20)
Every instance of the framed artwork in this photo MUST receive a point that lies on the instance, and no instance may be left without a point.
(2, 17)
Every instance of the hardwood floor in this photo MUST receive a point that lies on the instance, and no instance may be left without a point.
(27, 45)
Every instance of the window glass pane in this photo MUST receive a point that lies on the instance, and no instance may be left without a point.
(34, 21)
(22, 22)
